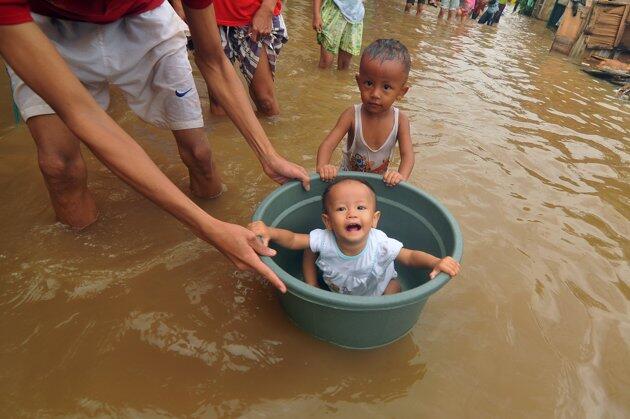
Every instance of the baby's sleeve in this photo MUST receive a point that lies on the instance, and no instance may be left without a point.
(316, 240)
(389, 250)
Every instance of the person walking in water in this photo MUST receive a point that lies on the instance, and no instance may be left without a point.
(448, 5)
(488, 16)
(253, 33)
(144, 55)
(67, 110)
(339, 27)
(499, 13)
(422, 4)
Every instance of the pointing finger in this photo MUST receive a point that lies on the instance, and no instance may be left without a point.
(305, 179)
(269, 275)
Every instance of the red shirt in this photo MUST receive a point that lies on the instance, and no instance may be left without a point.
(94, 11)
(239, 12)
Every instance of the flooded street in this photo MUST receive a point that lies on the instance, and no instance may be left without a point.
(137, 317)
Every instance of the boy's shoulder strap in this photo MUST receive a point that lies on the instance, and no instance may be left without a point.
(358, 129)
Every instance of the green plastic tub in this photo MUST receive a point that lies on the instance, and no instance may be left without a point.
(415, 218)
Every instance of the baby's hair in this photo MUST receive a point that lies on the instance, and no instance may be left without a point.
(336, 182)
(388, 50)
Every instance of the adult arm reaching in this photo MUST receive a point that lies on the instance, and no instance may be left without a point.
(33, 57)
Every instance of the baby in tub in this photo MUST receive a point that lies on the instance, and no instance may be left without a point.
(354, 257)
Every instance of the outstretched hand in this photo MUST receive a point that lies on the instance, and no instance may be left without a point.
(447, 265)
(242, 247)
(281, 170)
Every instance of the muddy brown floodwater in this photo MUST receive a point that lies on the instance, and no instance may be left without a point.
(136, 317)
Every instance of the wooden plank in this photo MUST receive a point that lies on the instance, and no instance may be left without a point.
(622, 26)
(608, 20)
(609, 32)
(616, 10)
(595, 41)
(612, 3)
(608, 39)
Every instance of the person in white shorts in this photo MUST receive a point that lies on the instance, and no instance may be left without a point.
(451, 6)
(28, 51)
(145, 56)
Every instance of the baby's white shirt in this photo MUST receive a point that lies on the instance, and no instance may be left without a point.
(367, 273)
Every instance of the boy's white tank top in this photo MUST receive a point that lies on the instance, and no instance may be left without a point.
(359, 157)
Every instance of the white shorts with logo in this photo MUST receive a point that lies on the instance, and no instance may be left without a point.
(144, 55)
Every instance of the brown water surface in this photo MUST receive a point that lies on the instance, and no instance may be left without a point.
(135, 316)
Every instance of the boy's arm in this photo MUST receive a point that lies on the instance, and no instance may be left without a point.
(284, 238)
(224, 85)
(418, 259)
(289, 239)
(327, 147)
(308, 268)
(317, 17)
(407, 158)
(34, 58)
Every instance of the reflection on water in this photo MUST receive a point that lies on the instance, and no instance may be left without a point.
(137, 317)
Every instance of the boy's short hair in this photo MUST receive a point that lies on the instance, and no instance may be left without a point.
(388, 50)
(337, 181)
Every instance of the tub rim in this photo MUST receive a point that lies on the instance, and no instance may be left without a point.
(330, 299)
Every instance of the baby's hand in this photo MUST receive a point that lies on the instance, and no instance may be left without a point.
(447, 265)
(327, 172)
(392, 178)
(261, 231)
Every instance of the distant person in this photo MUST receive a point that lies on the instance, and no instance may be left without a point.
(253, 33)
(339, 27)
(355, 258)
(448, 5)
(59, 110)
(467, 6)
(499, 13)
(478, 9)
(373, 127)
(422, 4)
(516, 3)
(488, 16)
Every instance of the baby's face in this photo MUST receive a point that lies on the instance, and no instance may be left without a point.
(381, 84)
(351, 212)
